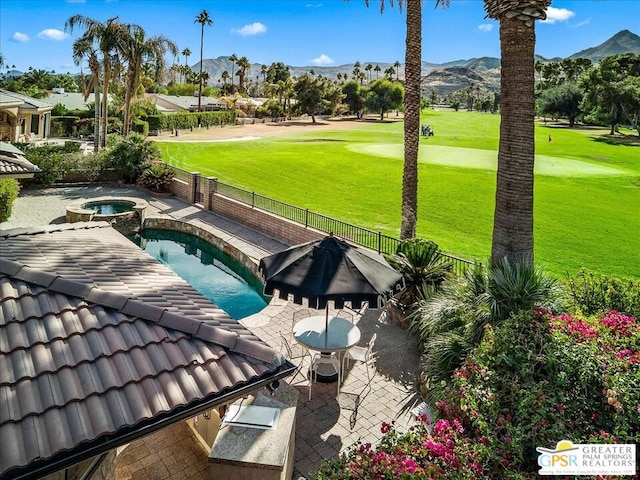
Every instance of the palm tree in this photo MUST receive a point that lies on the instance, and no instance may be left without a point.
(136, 50)
(186, 53)
(233, 59)
(225, 77)
(368, 69)
(412, 78)
(397, 64)
(203, 19)
(513, 217)
(81, 48)
(106, 35)
(243, 66)
(377, 70)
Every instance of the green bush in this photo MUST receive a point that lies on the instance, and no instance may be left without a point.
(451, 322)
(131, 155)
(534, 380)
(184, 121)
(157, 177)
(538, 379)
(9, 189)
(591, 293)
(52, 161)
(141, 127)
(62, 126)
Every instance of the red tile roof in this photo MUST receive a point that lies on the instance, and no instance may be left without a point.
(98, 341)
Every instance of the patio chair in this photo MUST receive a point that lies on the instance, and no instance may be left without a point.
(330, 365)
(295, 354)
(360, 354)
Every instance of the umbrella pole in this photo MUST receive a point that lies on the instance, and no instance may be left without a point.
(326, 326)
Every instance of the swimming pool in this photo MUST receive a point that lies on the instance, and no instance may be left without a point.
(217, 276)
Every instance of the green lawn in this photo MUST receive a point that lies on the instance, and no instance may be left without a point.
(587, 193)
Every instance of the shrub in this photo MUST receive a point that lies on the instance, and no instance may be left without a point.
(9, 189)
(157, 177)
(141, 127)
(538, 378)
(131, 155)
(53, 163)
(534, 380)
(450, 323)
(421, 264)
(592, 293)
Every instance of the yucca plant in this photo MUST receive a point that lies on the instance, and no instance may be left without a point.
(157, 177)
(423, 267)
(451, 322)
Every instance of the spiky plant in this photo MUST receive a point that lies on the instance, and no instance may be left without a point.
(451, 323)
(422, 265)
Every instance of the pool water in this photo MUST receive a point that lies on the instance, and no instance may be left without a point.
(220, 278)
(108, 208)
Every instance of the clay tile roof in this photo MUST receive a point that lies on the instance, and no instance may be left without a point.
(86, 366)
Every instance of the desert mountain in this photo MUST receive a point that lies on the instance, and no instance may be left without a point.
(622, 42)
(446, 76)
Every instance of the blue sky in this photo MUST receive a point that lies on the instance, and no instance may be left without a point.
(304, 32)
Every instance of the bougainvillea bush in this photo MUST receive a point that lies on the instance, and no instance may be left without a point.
(536, 379)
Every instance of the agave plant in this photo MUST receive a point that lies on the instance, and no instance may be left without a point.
(451, 322)
(423, 267)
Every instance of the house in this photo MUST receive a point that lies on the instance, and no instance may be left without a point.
(13, 164)
(23, 119)
(72, 100)
(100, 344)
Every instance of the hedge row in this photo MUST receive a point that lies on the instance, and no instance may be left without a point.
(8, 193)
(181, 121)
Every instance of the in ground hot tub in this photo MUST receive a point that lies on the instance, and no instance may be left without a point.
(124, 213)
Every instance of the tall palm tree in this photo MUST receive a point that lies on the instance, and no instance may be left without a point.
(225, 77)
(368, 69)
(203, 19)
(377, 70)
(513, 217)
(106, 35)
(412, 78)
(243, 66)
(82, 48)
(136, 50)
(186, 53)
(397, 64)
(233, 59)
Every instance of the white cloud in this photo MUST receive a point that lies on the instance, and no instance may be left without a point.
(20, 37)
(583, 23)
(558, 15)
(485, 27)
(52, 34)
(255, 28)
(322, 60)
(313, 5)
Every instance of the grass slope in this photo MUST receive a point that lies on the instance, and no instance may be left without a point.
(587, 191)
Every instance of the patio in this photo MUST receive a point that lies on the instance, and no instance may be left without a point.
(324, 424)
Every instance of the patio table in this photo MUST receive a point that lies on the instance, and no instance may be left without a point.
(326, 336)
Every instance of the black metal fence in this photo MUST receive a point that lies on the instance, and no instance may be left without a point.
(377, 241)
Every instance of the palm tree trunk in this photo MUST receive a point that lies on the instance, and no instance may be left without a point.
(513, 217)
(413, 60)
(200, 78)
(97, 116)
